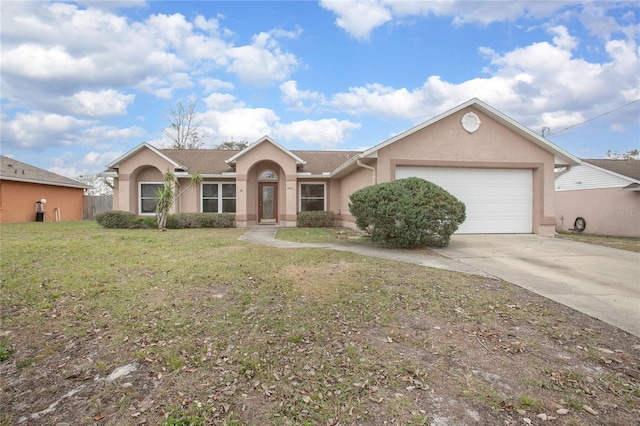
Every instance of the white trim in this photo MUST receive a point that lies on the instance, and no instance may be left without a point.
(220, 196)
(116, 163)
(233, 159)
(324, 184)
(139, 198)
(562, 157)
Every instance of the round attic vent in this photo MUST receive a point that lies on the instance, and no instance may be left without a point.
(470, 122)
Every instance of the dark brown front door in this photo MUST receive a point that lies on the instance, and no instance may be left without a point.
(267, 202)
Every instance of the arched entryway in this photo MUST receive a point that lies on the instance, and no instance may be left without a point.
(267, 196)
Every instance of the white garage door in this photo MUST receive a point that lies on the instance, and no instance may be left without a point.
(497, 200)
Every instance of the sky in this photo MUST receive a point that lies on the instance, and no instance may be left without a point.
(84, 82)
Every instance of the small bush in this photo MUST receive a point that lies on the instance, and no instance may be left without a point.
(115, 219)
(144, 222)
(200, 220)
(316, 219)
(407, 213)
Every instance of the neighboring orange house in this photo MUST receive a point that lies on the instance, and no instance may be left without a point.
(23, 188)
(502, 171)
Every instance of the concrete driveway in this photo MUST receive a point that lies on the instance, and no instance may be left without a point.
(599, 281)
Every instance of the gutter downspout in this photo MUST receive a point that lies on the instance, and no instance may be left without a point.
(373, 169)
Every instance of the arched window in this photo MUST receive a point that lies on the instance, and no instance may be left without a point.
(268, 174)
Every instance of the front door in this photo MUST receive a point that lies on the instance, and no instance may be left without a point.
(267, 202)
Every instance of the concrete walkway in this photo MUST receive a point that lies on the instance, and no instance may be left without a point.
(599, 281)
(265, 234)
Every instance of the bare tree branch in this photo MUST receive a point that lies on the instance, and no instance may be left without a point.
(184, 128)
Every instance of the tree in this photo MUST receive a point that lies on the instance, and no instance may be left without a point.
(634, 154)
(166, 196)
(99, 186)
(232, 145)
(184, 127)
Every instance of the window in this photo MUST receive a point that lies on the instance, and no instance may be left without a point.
(148, 191)
(268, 175)
(312, 197)
(219, 197)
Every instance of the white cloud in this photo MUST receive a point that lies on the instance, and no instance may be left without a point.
(540, 85)
(325, 133)
(39, 129)
(99, 134)
(59, 49)
(238, 124)
(358, 18)
(228, 119)
(96, 160)
(98, 104)
(262, 62)
(296, 98)
(222, 102)
(212, 84)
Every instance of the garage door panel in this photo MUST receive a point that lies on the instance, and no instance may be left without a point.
(497, 200)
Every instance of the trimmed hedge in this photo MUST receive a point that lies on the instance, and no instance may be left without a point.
(407, 213)
(124, 220)
(115, 219)
(200, 220)
(316, 219)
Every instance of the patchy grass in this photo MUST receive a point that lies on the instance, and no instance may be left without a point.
(321, 235)
(622, 243)
(220, 331)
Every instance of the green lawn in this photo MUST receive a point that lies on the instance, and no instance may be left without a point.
(220, 331)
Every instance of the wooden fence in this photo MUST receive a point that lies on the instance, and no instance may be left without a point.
(92, 204)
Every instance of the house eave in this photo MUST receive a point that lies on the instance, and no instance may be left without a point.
(39, 182)
(299, 161)
(561, 157)
(116, 163)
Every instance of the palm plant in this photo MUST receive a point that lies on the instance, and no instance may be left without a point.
(166, 196)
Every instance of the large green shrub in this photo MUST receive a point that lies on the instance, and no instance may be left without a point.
(115, 219)
(407, 213)
(316, 219)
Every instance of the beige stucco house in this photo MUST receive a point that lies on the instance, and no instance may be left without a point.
(502, 171)
(603, 192)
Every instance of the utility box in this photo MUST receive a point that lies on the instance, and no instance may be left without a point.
(40, 210)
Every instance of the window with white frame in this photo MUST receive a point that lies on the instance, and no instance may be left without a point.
(147, 193)
(219, 197)
(312, 197)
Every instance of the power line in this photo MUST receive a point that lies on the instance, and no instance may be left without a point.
(591, 119)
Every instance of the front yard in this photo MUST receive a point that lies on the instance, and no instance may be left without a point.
(127, 327)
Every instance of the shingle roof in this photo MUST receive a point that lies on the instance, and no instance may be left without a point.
(324, 161)
(205, 161)
(629, 168)
(212, 161)
(15, 170)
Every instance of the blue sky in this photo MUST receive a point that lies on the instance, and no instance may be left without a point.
(84, 82)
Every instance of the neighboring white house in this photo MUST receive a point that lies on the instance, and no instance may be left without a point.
(604, 192)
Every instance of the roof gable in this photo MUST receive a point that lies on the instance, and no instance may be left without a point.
(561, 156)
(18, 171)
(116, 163)
(265, 139)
